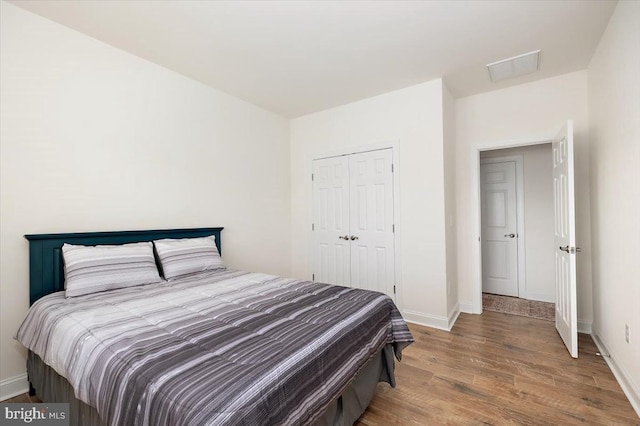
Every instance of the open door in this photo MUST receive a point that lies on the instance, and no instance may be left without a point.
(565, 238)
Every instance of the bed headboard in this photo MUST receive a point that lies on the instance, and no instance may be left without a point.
(46, 267)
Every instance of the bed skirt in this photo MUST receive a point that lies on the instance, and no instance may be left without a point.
(344, 411)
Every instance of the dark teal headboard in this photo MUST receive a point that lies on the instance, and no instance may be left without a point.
(46, 268)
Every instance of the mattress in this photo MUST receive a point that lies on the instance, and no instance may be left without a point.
(225, 348)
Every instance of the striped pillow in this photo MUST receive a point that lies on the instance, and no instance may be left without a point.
(90, 269)
(188, 255)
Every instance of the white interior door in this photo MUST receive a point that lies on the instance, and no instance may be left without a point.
(499, 228)
(331, 245)
(371, 211)
(565, 238)
(353, 229)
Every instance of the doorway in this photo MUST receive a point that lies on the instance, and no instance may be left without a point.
(564, 249)
(517, 228)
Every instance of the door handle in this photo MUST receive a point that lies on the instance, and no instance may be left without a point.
(353, 237)
(510, 235)
(344, 237)
(570, 249)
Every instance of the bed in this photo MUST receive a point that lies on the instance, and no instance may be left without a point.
(220, 347)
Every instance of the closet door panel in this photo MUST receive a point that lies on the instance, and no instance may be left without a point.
(371, 220)
(331, 244)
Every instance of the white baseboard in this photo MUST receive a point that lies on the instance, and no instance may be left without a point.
(624, 380)
(467, 308)
(14, 386)
(454, 313)
(434, 321)
(584, 327)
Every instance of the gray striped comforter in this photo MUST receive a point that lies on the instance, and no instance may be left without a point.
(218, 348)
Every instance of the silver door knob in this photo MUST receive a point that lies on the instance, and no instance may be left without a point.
(353, 237)
(510, 235)
(571, 250)
(344, 237)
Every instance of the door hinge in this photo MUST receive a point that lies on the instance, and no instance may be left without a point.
(313, 277)
(391, 167)
(311, 177)
(394, 289)
(313, 227)
(393, 228)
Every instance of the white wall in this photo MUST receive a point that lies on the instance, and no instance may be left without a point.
(449, 133)
(95, 139)
(520, 115)
(614, 136)
(412, 120)
(538, 236)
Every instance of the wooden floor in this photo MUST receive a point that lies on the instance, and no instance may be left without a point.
(23, 399)
(496, 369)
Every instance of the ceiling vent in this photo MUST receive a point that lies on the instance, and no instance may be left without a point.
(515, 66)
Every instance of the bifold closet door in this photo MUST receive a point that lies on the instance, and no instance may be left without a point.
(371, 220)
(331, 251)
(353, 221)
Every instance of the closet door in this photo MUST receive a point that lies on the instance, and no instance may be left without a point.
(353, 221)
(371, 221)
(331, 245)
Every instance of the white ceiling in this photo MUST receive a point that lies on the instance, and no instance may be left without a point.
(298, 57)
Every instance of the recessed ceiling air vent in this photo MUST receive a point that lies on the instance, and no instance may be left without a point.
(515, 66)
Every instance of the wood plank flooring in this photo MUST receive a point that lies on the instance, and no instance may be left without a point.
(23, 399)
(496, 369)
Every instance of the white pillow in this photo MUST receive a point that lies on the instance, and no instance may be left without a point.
(90, 269)
(188, 255)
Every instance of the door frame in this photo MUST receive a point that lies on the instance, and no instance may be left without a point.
(394, 145)
(520, 209)
(474, 207)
